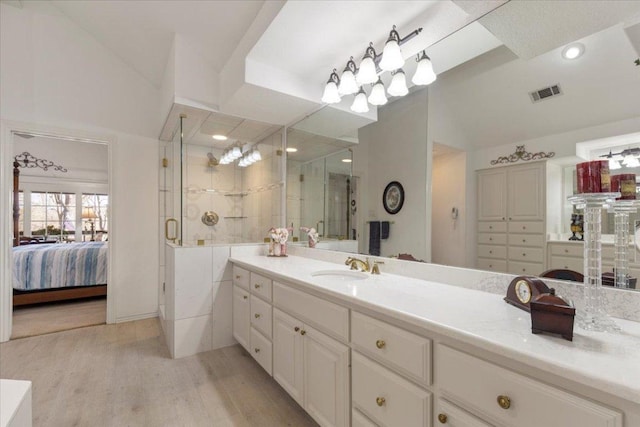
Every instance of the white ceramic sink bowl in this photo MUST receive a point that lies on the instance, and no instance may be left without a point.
(345, 275)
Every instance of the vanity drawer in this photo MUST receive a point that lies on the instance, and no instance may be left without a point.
(323, 315)
(261, 316)
(526, 254)
(490, 251)
(536, 240)
(492, 239)
(492, 226)
(359, 420)
(566, 263)
(449, 414)
(261, 286)
(575, 250)
(403, 351)
(526, 227)
(387, 398)
(240, 277)
(260, 349)
(481, 386)
(525, 268)
(492, 265)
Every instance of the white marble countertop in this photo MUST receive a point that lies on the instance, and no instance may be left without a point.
(603, 361)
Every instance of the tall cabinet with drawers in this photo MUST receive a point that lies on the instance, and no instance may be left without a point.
(511, 219)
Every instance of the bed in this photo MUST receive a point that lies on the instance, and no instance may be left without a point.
(53, 272)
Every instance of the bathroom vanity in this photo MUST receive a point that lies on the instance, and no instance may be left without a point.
(363, 350)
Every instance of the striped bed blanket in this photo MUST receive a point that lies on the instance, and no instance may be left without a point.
(46, 266)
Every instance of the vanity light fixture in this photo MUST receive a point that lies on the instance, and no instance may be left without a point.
(629, 158)
(291, 149)
(424, 73)
(219, 137)
(573, 51)
(371, 67)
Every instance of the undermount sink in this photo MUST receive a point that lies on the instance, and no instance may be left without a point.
(341, 274)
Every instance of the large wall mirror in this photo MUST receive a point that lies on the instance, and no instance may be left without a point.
(481, 107)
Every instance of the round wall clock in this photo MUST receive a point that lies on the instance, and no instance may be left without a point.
(393, 197)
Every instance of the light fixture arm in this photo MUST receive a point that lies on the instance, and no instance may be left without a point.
(627, 152)
(334, 77)
(409, 36)
(351, 66)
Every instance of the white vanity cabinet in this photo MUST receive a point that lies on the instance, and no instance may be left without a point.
(495, 393)
(511, 219)
(241, 316)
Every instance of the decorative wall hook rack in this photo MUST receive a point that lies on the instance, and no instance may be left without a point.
(522, 154)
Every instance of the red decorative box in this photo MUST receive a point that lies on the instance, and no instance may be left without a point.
(625, 184)
(593, 177)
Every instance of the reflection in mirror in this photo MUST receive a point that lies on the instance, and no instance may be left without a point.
(231, 168)
(321, 191)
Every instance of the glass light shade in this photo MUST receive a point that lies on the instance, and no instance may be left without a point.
(391, 56)
(367, 73)
(236, 153)
(614, 164)
(348, 83)
(631, 162)
(378, 96)
(424, 73)
(398, 86)
(360, 104)
(256, 156)
(331, 95)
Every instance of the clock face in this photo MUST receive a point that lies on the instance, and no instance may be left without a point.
(523, 291)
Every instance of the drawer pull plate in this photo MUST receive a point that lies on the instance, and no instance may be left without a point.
(380, 343)
(380, 401)
(504, 402)
(442, 418)
(296, 329)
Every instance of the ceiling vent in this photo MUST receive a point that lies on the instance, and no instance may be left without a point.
(546, 93)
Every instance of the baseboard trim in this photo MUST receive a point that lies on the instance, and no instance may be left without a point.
(137, 317)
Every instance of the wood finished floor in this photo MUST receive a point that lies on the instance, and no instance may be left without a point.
(122, 375)
(46, 318)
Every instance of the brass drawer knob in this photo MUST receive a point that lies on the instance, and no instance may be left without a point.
(380, 401)
(380, 343)
(256, 286)
(296, 329)
(257, 350)
(303, 332)
(524, 254)
(238, 277)
(504, 402)
(244, 297)
(257, 315)
(442, 418)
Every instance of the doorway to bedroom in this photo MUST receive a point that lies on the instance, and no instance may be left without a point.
(61, 233)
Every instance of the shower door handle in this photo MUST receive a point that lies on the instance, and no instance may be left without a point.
(166, 230)
(318, 228)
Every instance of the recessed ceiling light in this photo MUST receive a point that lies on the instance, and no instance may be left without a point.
(573, 51)
(291, 149)
(347, 160)
(220, 137)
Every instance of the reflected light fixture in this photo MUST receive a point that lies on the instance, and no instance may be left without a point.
(424, 73)
(629, 158)
(614, 164)
(219, 137)
(347, 160)
(331, 95)
(392, 55)
(291, 149)
(360, 102)
(398, 85)
(348, 84)
(369, 71)
(378, 96)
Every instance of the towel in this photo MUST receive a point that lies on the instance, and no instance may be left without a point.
(374, 238)
(384, 230)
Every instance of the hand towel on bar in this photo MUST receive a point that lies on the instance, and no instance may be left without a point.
(374, 238)
(384, 230)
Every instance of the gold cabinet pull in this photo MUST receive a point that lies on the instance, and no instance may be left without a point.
(166, 230)
(504, 402)
(380, 343)
(257, 315)
(244, 297)
(238, 276)
(257, 350)
(442, 418)
(256, 286)
(380, 401)
(303, 332)
(296, 329)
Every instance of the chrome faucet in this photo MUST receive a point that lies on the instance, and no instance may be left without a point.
(355, 262)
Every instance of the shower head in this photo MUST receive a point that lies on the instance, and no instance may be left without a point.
(212, 160)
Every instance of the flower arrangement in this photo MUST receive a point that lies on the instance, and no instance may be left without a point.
(312, 234)
(279, 237)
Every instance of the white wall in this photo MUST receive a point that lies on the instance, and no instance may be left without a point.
(398, 150)
(448, 237)
(55, 75)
